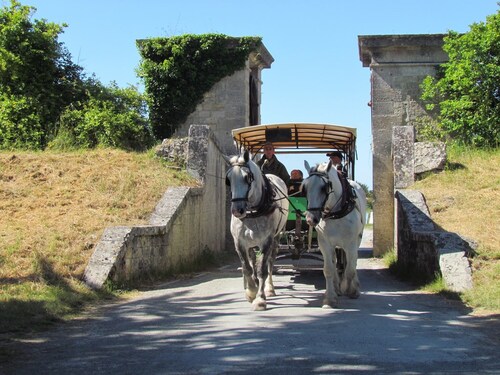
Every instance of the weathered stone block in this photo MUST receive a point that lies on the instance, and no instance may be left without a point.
(173, 149)
(429, 156)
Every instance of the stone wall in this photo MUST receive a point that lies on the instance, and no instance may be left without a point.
(186, 223)
(424, 250)
(231, 101)
(398, 64)
(224, 107)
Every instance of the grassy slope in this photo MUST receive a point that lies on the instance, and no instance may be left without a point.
(54, 208)
(466, 199)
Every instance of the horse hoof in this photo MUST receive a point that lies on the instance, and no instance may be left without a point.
(270, 293)
(327, 304)
(259, 305)
(354, 295)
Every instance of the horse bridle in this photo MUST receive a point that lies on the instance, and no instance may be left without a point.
(267, 202)
(329, 186)
(347, 198)
(249, 179)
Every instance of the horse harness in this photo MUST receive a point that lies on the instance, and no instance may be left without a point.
(347, 200)
(266, 205)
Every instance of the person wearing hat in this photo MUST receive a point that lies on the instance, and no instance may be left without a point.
(270, 164)
(336, 157)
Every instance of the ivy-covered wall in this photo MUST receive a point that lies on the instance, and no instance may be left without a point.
(178, 71)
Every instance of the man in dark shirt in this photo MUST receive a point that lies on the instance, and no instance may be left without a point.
(270, 164)
(336, 157)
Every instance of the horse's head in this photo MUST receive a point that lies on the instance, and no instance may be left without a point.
(320, 188)
(245, 179)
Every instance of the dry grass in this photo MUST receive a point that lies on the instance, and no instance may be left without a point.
(466, 199)
(54, 207)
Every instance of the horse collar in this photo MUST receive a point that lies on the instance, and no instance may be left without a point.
(347, 200)
(266, 205)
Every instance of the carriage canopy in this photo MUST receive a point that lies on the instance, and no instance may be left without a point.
(300, 138)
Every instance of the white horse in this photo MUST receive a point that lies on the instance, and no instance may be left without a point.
(337, 211)
(259, 209)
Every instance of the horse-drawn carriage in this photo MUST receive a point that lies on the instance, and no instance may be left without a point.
(298, 245)
(319, 228)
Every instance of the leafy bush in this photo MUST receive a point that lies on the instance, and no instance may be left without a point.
(117, 118)
(466, 91)
(20, 125)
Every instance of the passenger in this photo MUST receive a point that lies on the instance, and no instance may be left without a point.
(296, 177)
(336, 157)
(269, 163)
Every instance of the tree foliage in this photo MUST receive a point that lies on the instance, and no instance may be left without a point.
(178, 71)
(466, 91)
(47, 99)
(37, 78)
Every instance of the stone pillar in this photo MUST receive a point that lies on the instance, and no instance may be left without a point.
(398, 64)
(403, 140)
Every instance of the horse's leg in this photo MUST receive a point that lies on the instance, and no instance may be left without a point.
(349, 285)
(247, 272)
(330, 298)
(259, 303)
(269, 288)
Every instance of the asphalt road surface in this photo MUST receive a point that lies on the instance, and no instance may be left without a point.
(204, 325)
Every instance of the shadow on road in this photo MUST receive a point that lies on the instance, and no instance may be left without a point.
(204, 325)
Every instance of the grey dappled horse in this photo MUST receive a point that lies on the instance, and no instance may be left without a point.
(337, 211)
(259, 209)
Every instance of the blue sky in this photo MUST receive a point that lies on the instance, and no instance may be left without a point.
(317, 75)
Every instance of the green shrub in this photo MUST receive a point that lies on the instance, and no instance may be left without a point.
(115, 119)
(20, 126)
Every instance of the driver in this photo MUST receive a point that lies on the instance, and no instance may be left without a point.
(270, 164)
(336, 157)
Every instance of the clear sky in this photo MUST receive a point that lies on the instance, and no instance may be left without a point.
(316, 76)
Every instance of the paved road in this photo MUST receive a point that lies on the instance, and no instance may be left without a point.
(204, 326)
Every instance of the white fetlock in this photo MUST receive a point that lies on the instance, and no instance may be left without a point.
(259, 304)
